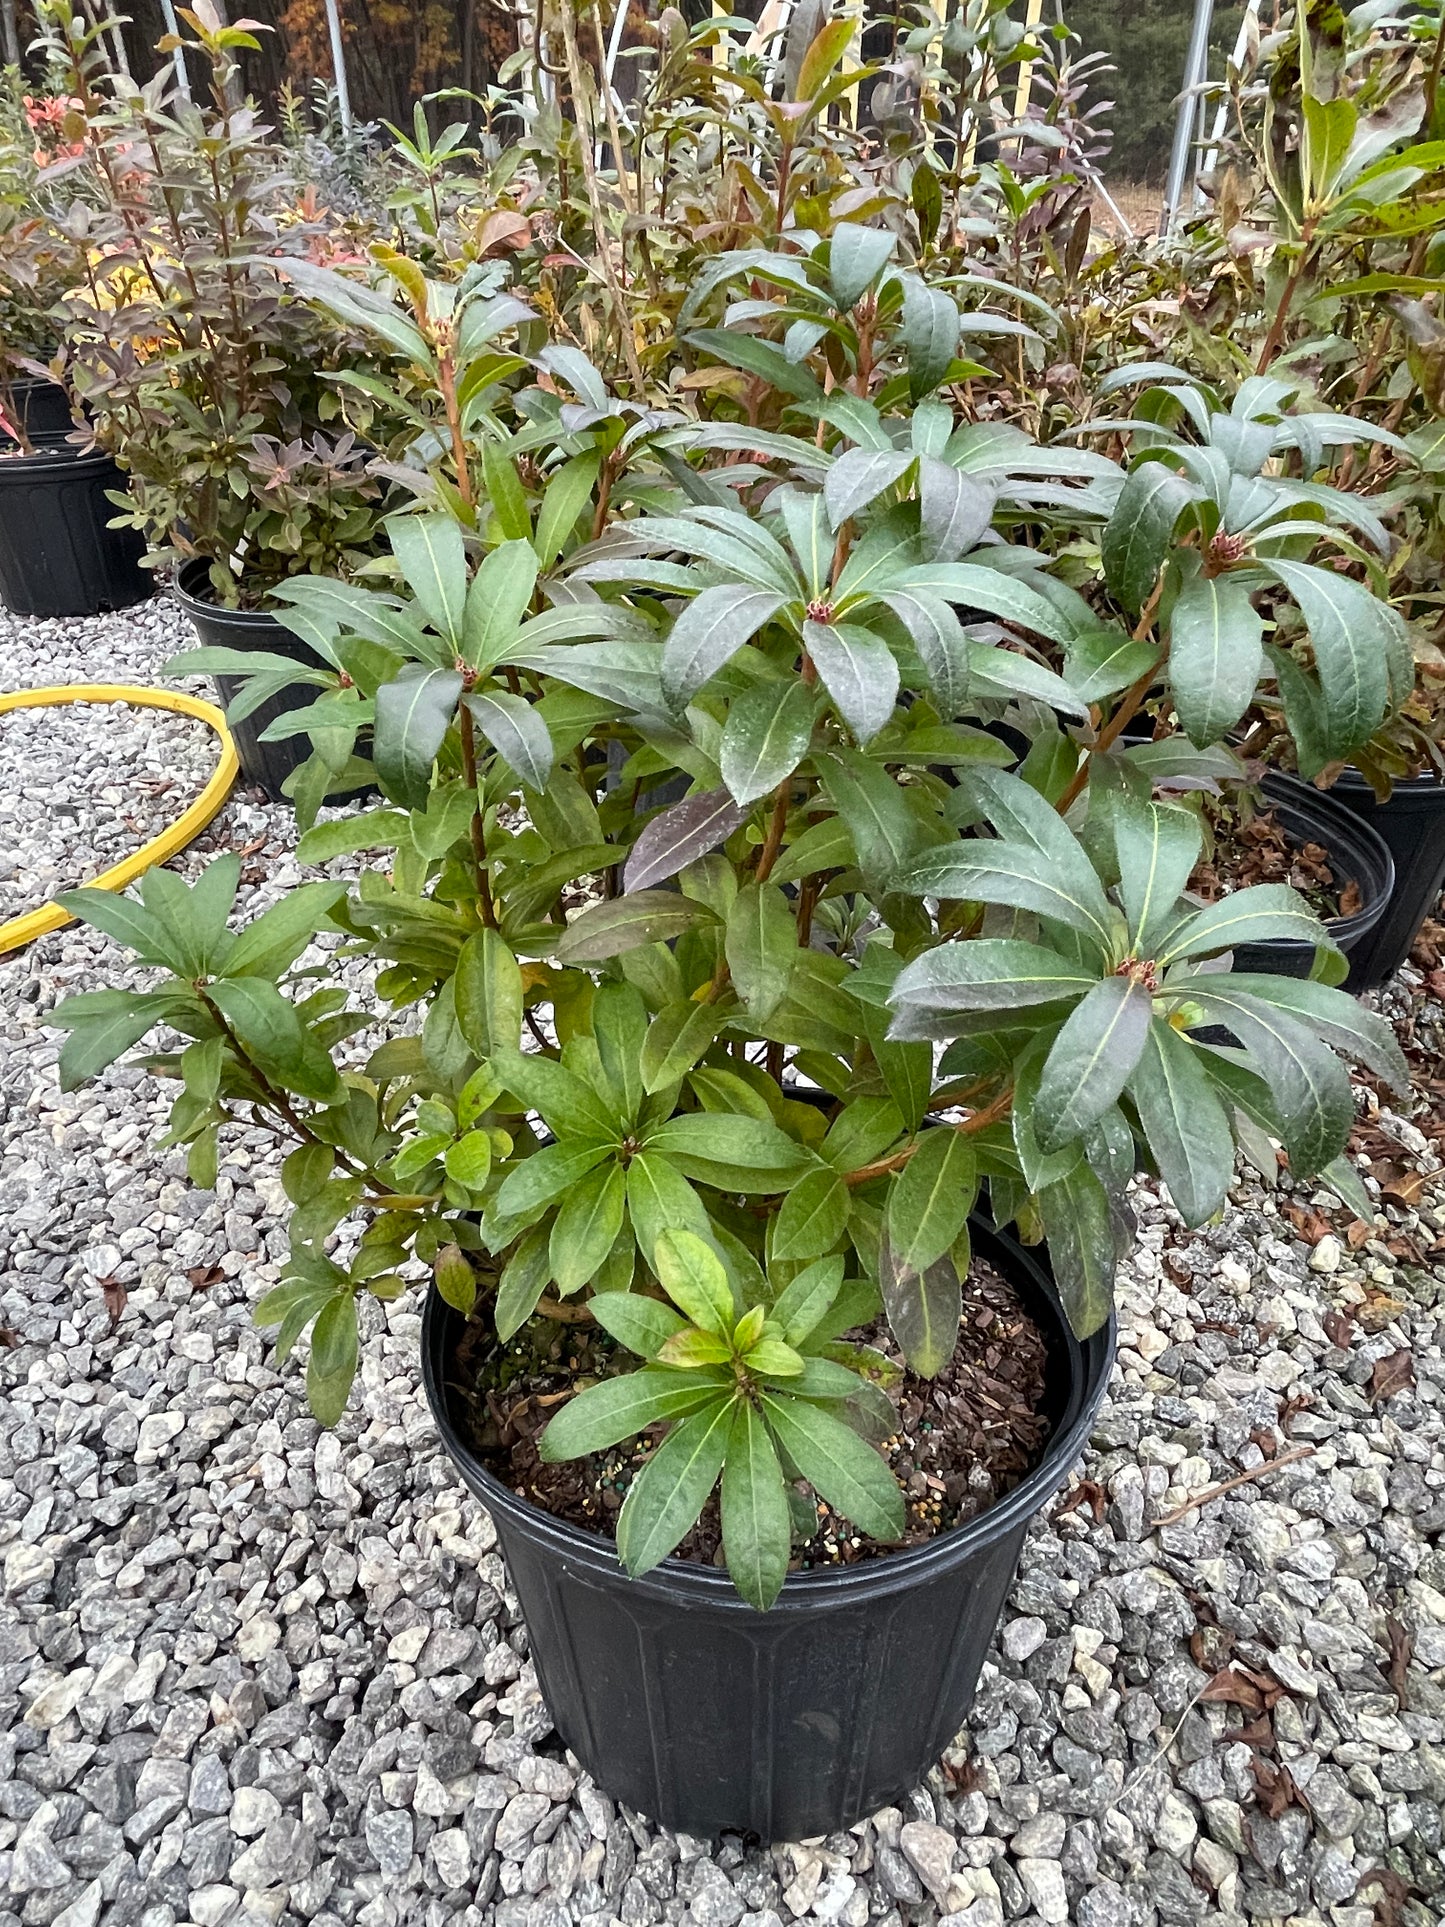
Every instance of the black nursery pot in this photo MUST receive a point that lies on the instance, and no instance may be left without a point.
(1412, 825)
(58, 556)
(690, 1706)
(264, 764)
(42, 407)
(1357, 854)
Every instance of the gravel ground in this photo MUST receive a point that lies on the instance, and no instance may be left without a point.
(254, 1673)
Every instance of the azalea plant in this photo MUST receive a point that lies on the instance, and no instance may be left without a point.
(720, 786)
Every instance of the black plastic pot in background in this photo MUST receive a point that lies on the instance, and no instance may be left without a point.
(1412, 824)
(1357, 854)
(58, 556)
(264, 764)
(690, 1706)
(41, 407)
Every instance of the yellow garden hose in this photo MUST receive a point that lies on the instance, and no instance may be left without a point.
(160, 849)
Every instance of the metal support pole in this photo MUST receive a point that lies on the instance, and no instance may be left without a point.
(178, 59)
(1221, 118)
(338, 65)
(1196, 67)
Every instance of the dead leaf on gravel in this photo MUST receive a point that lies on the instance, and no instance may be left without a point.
(9, 1338)
(115, 1296)
(1244, 1686)
(1378, 1309)
(1402, 1649)
(1340, 1328)
(1311, 1226)
(1406, 1188)
(1393, 1373)
(1394, 1892)
(202, 1277)
(1358, 1233)
(1086, 1493)
(1274, 1787)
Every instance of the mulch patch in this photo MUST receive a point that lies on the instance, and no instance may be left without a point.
(1257, 849)
(964, 1439)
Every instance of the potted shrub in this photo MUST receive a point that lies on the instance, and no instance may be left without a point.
(58, 556)
(207, 382)
(700, 1203)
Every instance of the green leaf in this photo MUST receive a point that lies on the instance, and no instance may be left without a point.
(856, 255)
(838, 1465)
(670, 1491)
(489, 994)
(1184, 1124)
(883, 831)
(771, 1358)
(498, 600)
(203, 1158)
(372, 830)
(659, 1198)
(691, 1350)
(1139, 533)
(813, 1218)
(1079, 1227)
(1216, 653)
(761, 946)
(469, 1160)
(929, 335)
(505, 492)
(692, 1275)
(517, 732)
(679, 836)
(821, 54)
(273, 1035)
(620, 1408)
(306, 1170)
(930, 1199)
(988, 973)
(1362, 1035)
(923, 1307)
(455, 1279)
(621, 924)
(1256, 914)
(938, 636)
(129, 923)
(641, 1324)
(765, 737)
(332, 1365)
(94, 1042)
(859, 477)
(545, 1176)
(1014, 874)
(1105, 661)
(586, 1227)
(955, 509)
(676, 1038)
(1090, 1060)
(568, 492)
(1158, 846)
(861, 1132)
(757, 1536)
(433, 562)
(1310, 1087)
(733, 1153)
(272, 942)
(708, 633)
(525, 1277)
(568, 1106)
(1351, 633)
(619, 1024)
(858, 671)
(413, 714)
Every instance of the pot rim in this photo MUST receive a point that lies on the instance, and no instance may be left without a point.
(197, 568)
(1292, 792)
(1089, 1363)
(48, 456)
(1425, 784)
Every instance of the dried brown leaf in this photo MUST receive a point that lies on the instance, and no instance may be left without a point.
(1392, 1374)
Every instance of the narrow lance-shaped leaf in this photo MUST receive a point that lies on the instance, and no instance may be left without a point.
(497, 601)
(619, 1408)
(858, 671)
(1351, 634)
(1216, 653)
(679, 836)
(923, 1307)
(837, 1464)
(1184, 1123)
(708, 633)
(413, 714)
(1310, 1087)
(757, 1536)
(666, 1497)
(1080, 1229)
(761, 945)
(516, 731)
(938, 636)
(433, 561)
(1090, 1060)
(1140, 530)
(765, 737)
(930, 1199)
(1158, 846)
(929, 335)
